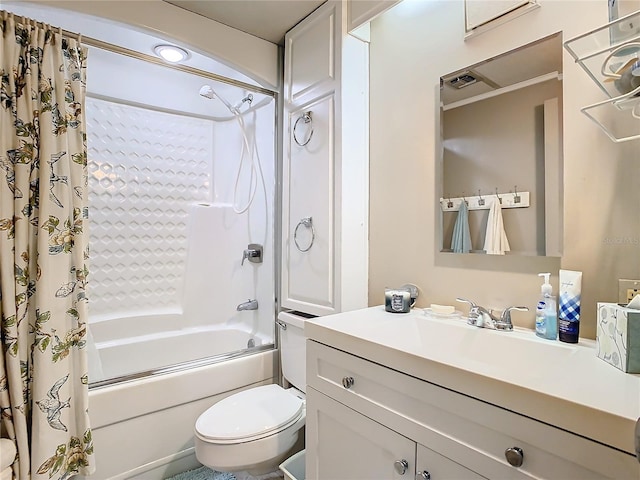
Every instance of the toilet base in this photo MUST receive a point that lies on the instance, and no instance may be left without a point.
(257, 457)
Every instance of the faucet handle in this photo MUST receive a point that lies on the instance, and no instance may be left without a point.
(464, 300)
(475, 315)
(253, 253)
(249, 253)
(506, 313)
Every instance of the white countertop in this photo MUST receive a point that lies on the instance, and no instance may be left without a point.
(561, 384)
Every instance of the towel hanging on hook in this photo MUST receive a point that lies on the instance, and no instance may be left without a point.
(461, 239)
(495, 239)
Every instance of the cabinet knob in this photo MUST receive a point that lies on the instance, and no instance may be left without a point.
(515, 456)
(424, 475)
(347, 382)
(401, 466)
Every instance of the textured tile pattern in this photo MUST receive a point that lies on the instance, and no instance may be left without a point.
(145, 168)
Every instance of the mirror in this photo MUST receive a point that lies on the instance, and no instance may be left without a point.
(501, 140)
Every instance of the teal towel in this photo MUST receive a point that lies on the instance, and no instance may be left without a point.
(461, 239)
(203, 473)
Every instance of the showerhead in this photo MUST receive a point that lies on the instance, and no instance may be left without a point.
(207, 92)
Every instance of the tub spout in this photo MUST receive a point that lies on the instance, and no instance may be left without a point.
(248, 305)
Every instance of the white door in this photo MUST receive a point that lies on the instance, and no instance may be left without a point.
(311, 123)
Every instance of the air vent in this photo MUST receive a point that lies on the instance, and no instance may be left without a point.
(462, 81)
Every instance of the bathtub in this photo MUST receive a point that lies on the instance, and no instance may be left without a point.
(143, 428)
(167, 371)
(153, 342)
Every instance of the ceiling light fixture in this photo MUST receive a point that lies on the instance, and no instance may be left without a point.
(171, 53)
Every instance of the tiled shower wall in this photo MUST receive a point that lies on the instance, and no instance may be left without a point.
(145, 168)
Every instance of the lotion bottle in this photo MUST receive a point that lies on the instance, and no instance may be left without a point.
(546, 314)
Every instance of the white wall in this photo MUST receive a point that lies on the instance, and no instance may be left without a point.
(412, 45)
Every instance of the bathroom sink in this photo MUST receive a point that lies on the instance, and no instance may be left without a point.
(506, 355)
(520, 348)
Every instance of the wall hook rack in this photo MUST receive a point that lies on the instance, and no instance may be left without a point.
(508, 200)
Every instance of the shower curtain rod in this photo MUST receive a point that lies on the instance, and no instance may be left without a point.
(93, 42)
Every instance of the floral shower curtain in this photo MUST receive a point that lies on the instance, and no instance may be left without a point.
(43, 250)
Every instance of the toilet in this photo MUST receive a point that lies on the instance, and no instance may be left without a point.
(256, 429)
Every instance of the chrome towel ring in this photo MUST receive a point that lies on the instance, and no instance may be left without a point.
(306, 222)
(306, 116)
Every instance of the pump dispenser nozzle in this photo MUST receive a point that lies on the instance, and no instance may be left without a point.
(546, 286)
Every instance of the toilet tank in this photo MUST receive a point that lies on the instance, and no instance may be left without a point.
(293, 349)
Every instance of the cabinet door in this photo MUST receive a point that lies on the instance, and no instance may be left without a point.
(342, 444)
(309, 250)
(312, 55)
(433, 466)
(312, 132)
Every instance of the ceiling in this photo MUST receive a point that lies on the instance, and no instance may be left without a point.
(266, 19)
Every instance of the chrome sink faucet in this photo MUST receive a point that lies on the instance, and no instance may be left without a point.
(481, 317)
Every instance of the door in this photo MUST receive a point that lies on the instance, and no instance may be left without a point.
(343, 444)
(311, 123)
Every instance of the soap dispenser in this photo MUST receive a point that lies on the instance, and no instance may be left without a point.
(546, 313)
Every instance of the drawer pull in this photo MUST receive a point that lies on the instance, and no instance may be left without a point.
(424, 475)
(401, 466)
(515, 456)
(347, 382)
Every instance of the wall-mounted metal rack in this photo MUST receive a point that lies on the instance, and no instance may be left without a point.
(610, 55)
(484, 202)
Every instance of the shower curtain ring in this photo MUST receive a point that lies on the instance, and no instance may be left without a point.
(306, 222)
(306, 116)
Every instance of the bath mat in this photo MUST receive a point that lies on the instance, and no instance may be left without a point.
(203, 473)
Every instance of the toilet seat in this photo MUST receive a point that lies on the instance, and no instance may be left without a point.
(249, 415)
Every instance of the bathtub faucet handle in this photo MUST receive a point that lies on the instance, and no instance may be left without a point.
(253, 252)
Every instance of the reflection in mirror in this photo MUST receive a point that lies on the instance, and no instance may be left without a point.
(501, 123)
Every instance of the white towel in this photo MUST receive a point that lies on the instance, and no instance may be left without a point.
(495, 239)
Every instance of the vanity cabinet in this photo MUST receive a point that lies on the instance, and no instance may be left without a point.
(363, 417)
(325, 165)
(350, 446)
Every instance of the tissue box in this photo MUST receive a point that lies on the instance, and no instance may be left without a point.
(618, 336)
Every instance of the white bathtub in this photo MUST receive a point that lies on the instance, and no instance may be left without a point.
(143, 428)
(131, 345)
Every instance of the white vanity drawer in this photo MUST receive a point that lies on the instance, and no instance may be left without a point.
(468, 431)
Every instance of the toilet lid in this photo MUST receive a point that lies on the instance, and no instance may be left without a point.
(255, 412)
